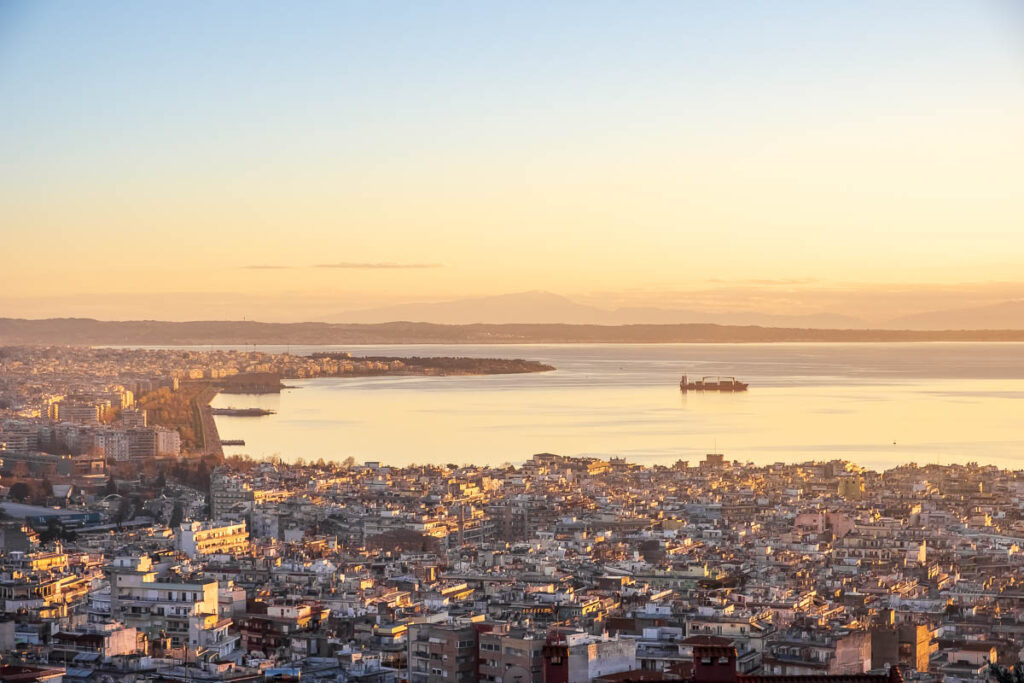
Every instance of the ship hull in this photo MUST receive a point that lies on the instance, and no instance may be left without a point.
(723, 384)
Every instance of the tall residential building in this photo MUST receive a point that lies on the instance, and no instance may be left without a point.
(229, 496)
(142, 443)
(580, 657)
(168, 442)
(86, 413)
(138, 599)
(512, 655)
(196, 539)
(114, 443)
(443, 653)
(133, 418)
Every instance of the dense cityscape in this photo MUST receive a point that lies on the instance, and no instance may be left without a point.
(514, 341)
(133, 550)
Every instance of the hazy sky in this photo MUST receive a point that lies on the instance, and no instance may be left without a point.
(357, 153)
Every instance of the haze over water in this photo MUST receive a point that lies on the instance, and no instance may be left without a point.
(878, 405)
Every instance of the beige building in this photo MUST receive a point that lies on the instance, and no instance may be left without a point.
(196, 539)
(229, 496)
(139, 600)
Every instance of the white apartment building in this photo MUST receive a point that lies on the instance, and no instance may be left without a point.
(196, 539)
(139, 600)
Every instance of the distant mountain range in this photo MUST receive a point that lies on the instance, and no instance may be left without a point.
(530, 317)
(1008, 315)
(548, 308)
(84, 331)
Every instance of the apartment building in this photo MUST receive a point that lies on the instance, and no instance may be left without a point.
(574, 657)
(196, 539)
(443, 653)
(511, 655)
(138, 599)
(229, 497)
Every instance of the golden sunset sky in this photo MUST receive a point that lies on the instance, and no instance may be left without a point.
(294, 160)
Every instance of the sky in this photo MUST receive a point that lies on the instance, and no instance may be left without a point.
(185, 160)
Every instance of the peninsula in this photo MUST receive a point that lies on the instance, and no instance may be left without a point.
(169, 391)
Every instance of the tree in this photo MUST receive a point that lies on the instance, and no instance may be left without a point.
(202, 478)
(1004, 675)
(52, 532)
(136, 502)
(19, 491)
(177, 515)
(123, 511)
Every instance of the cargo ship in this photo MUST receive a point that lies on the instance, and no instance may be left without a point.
(242, 412)
(712, 384)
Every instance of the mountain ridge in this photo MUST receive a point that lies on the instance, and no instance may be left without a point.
(542, 307)
(87, 331)
(977, 317)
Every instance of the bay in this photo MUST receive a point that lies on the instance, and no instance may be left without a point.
(877, 405)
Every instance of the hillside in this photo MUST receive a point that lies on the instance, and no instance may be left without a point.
(83, 331)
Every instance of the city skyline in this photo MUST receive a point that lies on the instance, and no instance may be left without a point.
(441, 341)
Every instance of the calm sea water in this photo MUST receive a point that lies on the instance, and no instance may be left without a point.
(875, 404)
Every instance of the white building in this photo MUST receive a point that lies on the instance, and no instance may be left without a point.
(196, 539)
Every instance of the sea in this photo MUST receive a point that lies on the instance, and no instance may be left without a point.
(878, 405)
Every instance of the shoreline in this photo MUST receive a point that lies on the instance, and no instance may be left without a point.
(89, 332)
(208, 425)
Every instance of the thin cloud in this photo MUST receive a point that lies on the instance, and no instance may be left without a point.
(782, 282)
(378, 266)
(347, 265)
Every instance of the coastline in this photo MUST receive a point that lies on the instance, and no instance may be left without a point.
(804, 401)
(207, 424)
(87, 332)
